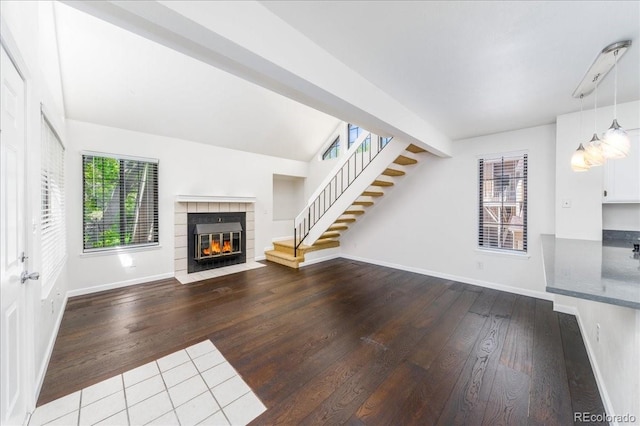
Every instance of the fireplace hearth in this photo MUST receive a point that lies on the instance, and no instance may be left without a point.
(215, 240)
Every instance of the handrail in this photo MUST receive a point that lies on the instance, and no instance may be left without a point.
(361, 156)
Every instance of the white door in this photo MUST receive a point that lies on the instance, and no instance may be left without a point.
(12, 237)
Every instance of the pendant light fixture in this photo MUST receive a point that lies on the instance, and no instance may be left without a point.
(579, 161)
(595, 155)
(615, 142)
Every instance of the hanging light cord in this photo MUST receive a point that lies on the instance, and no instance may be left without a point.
(615, 84)
(595, 106)
(581, 103)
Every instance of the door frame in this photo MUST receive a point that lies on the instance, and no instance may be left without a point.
(31, 292)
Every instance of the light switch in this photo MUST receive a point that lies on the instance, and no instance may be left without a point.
(566, 203)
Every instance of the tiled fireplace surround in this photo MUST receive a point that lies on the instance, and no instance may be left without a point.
(182, 208)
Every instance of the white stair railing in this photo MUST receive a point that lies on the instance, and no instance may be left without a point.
(359, 156)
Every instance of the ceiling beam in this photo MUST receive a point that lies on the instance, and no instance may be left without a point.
(247, 40)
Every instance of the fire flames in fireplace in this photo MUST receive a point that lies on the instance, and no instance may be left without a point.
(217, 239)
(215, 248)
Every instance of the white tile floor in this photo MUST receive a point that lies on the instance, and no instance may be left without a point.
(185, 278)
(194, 386)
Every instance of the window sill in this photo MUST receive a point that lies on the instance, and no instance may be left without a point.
(513, 255)
(119, 251)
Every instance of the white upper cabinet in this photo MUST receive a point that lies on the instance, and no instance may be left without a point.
(622, 176)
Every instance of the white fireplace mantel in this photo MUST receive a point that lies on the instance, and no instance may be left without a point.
(213, 199)
(186, 204)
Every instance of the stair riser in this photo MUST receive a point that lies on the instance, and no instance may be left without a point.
(290, 263)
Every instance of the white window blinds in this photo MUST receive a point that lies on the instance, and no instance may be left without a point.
(120, 205)
(503, 203)
(52, 209)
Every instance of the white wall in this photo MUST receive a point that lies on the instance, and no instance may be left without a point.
(28, 31)
(432, 216)
(615, 357)
(288, 197)
(185, 168)
(318, 168)
(621, 217)
(288, 201)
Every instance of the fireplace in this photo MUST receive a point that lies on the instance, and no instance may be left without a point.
(215, 240)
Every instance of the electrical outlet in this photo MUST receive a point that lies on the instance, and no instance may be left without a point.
(598, 332)
(480, 265)
(52, 307)
(566, 203)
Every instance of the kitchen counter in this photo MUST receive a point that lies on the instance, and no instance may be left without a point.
(603, 271)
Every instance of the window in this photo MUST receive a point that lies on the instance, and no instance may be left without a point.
(384, 141)
(503, 203)
(355, 131)
(333, 151)
(120, 206)
(52, 210)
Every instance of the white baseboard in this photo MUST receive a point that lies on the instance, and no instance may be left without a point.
(565, 309)
(466, 280)
(262, 257)
(315, 260)
(52, 340)
(111, 286)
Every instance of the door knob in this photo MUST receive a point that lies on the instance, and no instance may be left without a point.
(28, 276)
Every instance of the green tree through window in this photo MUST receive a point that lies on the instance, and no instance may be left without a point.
(120, 202)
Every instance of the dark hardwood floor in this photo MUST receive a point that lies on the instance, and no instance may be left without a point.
(344, 342)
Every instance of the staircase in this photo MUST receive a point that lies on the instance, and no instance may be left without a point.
(351, 189)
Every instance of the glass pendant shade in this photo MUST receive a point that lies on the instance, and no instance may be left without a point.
(616, 143)
(579, 161)
(594, 152)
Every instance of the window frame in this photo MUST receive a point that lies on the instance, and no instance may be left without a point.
(154, 194)
(358, 131)
(335, 146)
(484, 241)
(384, 141)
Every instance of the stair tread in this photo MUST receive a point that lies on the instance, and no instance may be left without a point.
(284, 243)
(326, 241)
(393, 172)
(415, 149)
(381, 183)
(345, 220)
(285, 247)
(404, 161)
(330, 234)
(354, 212)
(338, 227)
(372, 194)
(363, 203)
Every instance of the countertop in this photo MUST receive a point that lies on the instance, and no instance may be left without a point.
(603, 271)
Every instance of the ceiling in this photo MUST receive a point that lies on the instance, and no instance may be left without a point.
(468, 68)
(476, 68)
(115, 78)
